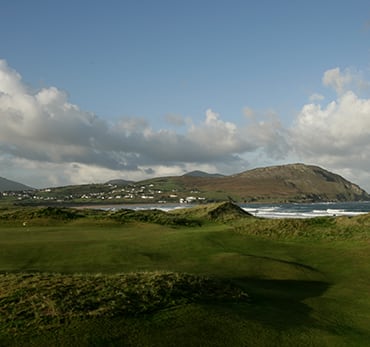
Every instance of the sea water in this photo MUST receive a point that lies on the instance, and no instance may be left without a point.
(292, 210)
(307, 210)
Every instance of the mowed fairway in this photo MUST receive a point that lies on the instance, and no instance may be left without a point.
(302, 291)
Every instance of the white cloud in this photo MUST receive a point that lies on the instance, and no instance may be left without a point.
(345, 80)
(10, 80)
(218, 136)
(336, 79)
(45, 128)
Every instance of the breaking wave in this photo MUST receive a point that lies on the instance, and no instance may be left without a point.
(307, 210)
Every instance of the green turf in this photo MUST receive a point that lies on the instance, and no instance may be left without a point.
(308, 282)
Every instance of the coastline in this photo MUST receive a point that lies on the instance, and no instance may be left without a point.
(269, 210)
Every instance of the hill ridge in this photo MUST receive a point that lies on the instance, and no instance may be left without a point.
(199, 173)
(9, 185)
(309, 179)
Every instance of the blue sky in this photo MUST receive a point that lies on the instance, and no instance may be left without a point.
(94, 90)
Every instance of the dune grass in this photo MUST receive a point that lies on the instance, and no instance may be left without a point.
(46, 301)
(279, 282)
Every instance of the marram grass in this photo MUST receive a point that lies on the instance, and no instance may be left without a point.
(44, 301)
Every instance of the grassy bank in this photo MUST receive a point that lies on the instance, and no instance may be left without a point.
(104, 279)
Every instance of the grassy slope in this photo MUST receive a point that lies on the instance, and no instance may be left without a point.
(305, 289)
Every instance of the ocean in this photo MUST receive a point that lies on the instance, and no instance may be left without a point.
(307, 210)
(293, 210)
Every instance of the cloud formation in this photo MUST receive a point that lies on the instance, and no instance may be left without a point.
(336, 79)
(44, 127)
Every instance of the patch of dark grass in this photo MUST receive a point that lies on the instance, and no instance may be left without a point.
(41, 214)
(154, 216)
(44, 301)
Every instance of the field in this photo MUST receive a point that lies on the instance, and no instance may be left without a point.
(209, 276)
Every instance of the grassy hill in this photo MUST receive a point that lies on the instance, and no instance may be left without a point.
(72, 277)
(8, 185)
(217, 212)
(285, 183)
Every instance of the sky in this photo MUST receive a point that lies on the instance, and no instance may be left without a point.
(98, 90)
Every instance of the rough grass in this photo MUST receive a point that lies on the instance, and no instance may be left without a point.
(154, 216)
(224, 212)
(41, 215)
(319, 228)
(56, 215)
(45, 301)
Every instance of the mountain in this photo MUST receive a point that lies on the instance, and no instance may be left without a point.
(8, 185)
(297, 181)
(284, 183)
(198, 173)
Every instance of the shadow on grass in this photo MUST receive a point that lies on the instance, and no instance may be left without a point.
(279, 303)
(294, 263)
(275, 306)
